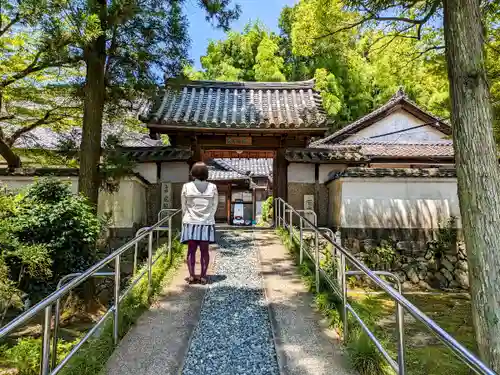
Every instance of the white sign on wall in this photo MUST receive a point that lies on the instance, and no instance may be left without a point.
(309, 205)
(166, 195)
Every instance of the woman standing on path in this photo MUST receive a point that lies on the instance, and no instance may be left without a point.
(199, 203)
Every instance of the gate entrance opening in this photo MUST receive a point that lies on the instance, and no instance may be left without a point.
(214, 118)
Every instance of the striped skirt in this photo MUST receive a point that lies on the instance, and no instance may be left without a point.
(197, 232)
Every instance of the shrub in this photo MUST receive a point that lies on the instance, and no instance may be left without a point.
(267, 209)
(363, 355)
(50, 233)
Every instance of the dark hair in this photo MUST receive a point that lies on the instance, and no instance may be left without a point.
(199, 171)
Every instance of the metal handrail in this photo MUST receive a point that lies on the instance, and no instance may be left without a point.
(167, 210)
(459, 350)
(46, 304)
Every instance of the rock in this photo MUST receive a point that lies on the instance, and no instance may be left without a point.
(355, 248)
(419, 248)
(447, 274)
(413, 276)
(422, 274)
(454, 285)
(441, 280)
(401, 276)
(462, 264)
(447, 265)
(367, 245)
(451, 258)
(405, 247)
(424, 285)
(407, 285)
(421, 260)
(429, 255)
(462, 278)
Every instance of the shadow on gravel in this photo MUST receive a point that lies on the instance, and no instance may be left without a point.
(213, 279)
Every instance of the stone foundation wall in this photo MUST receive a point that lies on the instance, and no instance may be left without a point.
(421, 258)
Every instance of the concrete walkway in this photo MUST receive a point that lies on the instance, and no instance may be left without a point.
(159, 341)
(162, 338)
(304, 343)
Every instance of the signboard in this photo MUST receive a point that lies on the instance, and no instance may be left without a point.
(238, 213)
(166, 195)
(239, 141)
(309, 205)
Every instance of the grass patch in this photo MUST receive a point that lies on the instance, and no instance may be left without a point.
(425, 354)
(24, 357)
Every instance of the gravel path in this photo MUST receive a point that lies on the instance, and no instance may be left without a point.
(234, 333)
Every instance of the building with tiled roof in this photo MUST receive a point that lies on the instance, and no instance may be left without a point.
(237, 105)
(398, 132)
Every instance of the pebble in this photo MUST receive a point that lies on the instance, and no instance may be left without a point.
(234, 333)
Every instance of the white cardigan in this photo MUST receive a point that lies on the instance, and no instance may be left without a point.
(199, 203)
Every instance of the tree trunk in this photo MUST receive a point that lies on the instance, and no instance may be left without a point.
(13, 161)
(93, 108)
(478, 172)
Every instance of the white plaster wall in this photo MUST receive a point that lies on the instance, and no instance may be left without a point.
(174, 172)
(19, 182)
(396, 121)
(397, 202)
(148, 171)
(128, 205)
(301, 172)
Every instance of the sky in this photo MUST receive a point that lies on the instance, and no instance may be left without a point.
(201, 31)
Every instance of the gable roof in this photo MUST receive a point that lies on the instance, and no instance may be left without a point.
(237, 105)
(398, 101)
(374, 149)
(48, 139)
(239, 169)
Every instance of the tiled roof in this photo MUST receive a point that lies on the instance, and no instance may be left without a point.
(239, 169)
(49, 139)
(249, 167)
(395, 172)
(388, 149)
(46, 172)
(156, 153)
(220, 172)
(216, 104)
(333, 154)
(400, 99)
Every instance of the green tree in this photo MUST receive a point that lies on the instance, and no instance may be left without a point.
(478, 172)
(33, 92)
(126, 47)
(251, 55)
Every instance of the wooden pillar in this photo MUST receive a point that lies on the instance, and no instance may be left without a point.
(316, 189)
(254, 205)
(228, 203)
(282, 175)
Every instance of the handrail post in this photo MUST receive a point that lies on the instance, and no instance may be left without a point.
(170, 238)
(291, 227)
(400, 320)
(47, 320)
(116, 320)
(150, 262)
(316, 261)
(344, 295)
(301, 247)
